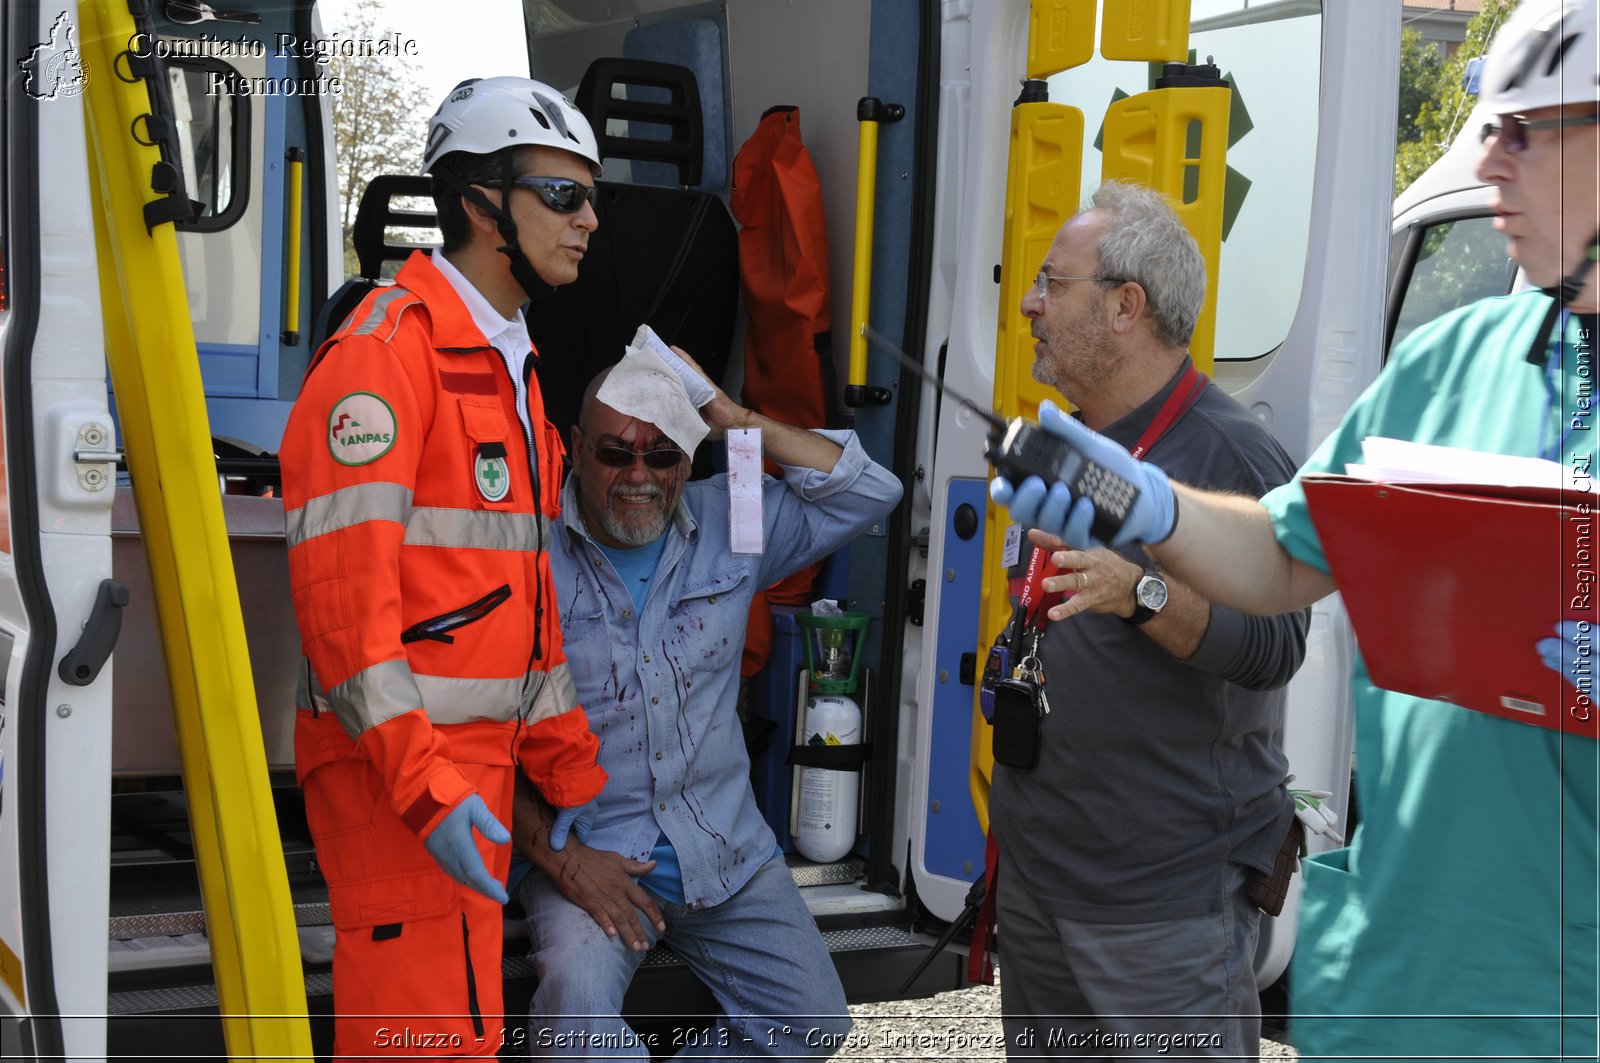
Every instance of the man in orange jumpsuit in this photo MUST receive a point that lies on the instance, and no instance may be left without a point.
(420, 477)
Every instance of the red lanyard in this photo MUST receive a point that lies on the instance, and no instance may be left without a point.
(1035, 600)
(1185, 395)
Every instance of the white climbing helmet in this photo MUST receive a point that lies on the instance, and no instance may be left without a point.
(484, 115)
(1545, 55)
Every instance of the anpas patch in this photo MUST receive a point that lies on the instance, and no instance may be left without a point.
(493, 477)
(361, 429)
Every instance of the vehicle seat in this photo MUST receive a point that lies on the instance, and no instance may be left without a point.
(376, 217)
(664, 255)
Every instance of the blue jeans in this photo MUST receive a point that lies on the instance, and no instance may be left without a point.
(758, 952)
(1172, 988)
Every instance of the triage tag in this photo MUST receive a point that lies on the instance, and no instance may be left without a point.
(745, 526)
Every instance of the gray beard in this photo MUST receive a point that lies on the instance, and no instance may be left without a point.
(634, 534)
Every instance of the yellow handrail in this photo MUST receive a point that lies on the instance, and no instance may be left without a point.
(150, 349)
(861, 261)
(291, 294)
(870, 113)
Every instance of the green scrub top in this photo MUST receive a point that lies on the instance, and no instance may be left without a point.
(1461, 921)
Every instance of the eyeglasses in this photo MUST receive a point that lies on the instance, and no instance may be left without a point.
(1041, 282)
(1512, 130)
(561, 194)
(615, 457)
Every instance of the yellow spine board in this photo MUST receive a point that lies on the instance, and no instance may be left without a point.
(1176, 140)
(151, 353)
(1060, 35)
(1042, 190)
(861, 262)
(1146, 31)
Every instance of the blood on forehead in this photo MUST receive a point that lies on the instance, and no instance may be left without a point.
(635, 432)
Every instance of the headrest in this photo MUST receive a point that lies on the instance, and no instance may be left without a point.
(661, 104)
(377, 215)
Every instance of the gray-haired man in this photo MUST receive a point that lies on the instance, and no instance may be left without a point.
(1127, 853)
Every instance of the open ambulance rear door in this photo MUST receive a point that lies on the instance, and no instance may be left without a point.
(1298, 330)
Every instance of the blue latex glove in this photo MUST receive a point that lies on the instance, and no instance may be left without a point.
(1556, 651)
(1053, 509)
(578, 821)
(451, 843)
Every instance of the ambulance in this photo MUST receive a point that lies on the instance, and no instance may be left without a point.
(171, 254)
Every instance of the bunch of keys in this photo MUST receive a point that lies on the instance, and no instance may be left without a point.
(1019, 700)
(1030, 670)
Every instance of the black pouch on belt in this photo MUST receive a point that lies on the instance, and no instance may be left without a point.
(1017, 716)
(1268, 891)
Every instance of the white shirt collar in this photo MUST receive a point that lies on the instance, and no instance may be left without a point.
(507, 335)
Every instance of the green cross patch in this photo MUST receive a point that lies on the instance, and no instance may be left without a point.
(493, 477)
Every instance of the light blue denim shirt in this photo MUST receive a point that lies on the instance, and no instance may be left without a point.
(660, 686)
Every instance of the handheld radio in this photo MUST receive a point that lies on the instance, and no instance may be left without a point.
(1019, 449)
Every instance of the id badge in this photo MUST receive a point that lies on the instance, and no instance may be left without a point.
(1017, 718)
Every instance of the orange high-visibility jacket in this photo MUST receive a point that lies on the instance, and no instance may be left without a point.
(417, 515)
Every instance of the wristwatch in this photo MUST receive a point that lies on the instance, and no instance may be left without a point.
(1149, 596)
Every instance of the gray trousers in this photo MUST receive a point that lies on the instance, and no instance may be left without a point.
(1165, 989)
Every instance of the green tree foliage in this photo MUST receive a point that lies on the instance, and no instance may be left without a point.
(379, 117)
(1443, 102)
(1420, 64)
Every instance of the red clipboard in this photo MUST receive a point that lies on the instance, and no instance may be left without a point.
(1450, 586)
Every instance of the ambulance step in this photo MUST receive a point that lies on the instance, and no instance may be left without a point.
(189, 998)
(152, 940)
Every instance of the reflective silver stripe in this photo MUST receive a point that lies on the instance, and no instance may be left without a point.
(375, 695)
(379, 311)
(345, 508)
(557, 694)
(451, 700)
(477, 529)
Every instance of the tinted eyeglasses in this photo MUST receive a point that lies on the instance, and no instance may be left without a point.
(1512, 130)
(561, 194)
(616, 457)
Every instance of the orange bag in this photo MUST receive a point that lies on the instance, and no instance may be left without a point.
(783, 274)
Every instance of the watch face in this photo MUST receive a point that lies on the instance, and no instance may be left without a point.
(1151, 592)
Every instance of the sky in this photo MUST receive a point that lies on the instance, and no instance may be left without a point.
(451, 45)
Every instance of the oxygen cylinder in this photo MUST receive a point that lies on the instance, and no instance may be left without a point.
(827, 820)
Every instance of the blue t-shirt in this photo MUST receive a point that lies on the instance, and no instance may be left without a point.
(636, 566)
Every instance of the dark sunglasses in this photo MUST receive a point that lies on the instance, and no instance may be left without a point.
(621, 457)
(1512, 130)
(561, 194)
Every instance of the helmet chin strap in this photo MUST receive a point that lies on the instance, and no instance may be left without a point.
(522, 271)
(1563, 294)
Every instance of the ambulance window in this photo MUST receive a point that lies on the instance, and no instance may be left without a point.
(1457, 262)
(213, 134)
(1271, 52)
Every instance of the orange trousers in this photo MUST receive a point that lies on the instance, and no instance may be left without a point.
(416, 957)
